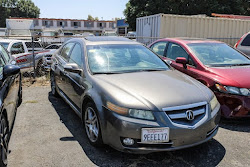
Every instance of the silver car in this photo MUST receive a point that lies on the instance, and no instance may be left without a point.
(130, 99)
(243, 44)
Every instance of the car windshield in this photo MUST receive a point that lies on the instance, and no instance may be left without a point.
(122, 59)
(218, 55)
(5, 44)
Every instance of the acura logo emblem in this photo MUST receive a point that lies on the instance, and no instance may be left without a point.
(189, 115)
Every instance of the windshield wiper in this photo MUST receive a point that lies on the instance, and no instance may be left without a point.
(159, 69)
(241, 64)
(107, 73)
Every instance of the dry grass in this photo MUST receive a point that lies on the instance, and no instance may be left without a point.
(38, 81)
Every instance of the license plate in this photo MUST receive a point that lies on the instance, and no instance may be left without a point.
(154, 135)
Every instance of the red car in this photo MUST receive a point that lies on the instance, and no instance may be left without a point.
(217, 65)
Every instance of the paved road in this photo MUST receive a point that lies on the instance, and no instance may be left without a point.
(48, 133)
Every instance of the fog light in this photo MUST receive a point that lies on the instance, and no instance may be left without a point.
(128, 141)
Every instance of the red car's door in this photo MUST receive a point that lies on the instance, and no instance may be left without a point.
(173, 51)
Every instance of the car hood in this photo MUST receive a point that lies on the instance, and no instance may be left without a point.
(233, 76)
(152, 90)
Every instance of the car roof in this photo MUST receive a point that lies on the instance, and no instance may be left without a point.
(92, 40)
(191, 40)
(12, 40)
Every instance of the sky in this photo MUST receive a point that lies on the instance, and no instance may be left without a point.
(80, 9)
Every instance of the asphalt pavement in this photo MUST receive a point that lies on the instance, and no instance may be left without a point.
(47, 132)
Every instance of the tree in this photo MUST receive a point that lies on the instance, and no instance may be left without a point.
(17, 8)
(26, 9)
(90, 18)
(96, 19)
(139, 8)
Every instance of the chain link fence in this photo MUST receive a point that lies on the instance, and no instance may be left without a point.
(33, 53)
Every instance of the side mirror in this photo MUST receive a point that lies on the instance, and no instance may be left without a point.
(182, 60)
(72, 67)
(10, 70)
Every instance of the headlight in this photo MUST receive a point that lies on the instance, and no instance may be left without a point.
(141, 114)
(233, 90)
(213, 103)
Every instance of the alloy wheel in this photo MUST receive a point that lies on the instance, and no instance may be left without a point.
(4, 140)
(91, 124)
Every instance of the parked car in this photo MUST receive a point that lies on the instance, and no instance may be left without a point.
(10, 99)
(109, 33)
(21, 50)
(47, 55)
(215, 64)
(129, 98)
(244, 44)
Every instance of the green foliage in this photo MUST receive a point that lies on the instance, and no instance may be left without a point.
(17, 8)
(91, 18)
(139, 8)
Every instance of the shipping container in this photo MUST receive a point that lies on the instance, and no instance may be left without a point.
(151, 28)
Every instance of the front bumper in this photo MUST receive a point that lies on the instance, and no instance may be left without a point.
(234, 106)
(47, 63)
(119, 127)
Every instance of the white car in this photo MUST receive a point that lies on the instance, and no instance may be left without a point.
(21, 50)
(47, 55)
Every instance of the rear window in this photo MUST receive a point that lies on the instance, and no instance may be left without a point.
(246, 41)
(36, 45)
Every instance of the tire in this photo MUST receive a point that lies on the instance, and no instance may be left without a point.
(20, 94)
(92, 125)
(4, 139)
(39, 69)
(53, 85)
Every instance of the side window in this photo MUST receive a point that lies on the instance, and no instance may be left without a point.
(159, 48)
(190, 61)
(76, 55)
(17, 48)
(66, 51)
(4, 53)
(246, 41)
(2, 64)
(175, 51)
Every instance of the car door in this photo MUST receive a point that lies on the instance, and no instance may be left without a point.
(62, 59)
(175, 50)
(75, 79)
(22, 59)
(9, 86)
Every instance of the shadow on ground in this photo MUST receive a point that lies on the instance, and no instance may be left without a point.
(207, 154)
(240, 125)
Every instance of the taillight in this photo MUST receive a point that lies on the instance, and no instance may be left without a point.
(21, 60)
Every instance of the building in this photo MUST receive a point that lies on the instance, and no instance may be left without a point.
(122, 27)
(72, 25)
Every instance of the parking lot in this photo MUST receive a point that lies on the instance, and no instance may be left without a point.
(48, 133)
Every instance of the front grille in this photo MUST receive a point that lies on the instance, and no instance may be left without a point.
(178, 114)
(48, 56)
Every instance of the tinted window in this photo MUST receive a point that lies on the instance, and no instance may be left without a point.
(17, 48)
(5, 44)
(53, 47)
(122, 59)
(76, 55)
(175, 51)
(159, 48)
(218, 54)
(36, 45)
(4, 53)
(66, 51)
(246, 41)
